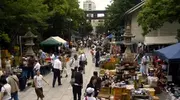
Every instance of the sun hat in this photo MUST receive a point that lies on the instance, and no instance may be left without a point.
(89, 90)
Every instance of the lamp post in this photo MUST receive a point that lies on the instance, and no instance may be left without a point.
(82, 30)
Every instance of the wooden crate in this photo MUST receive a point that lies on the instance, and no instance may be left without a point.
(118, 91)
(104, 93)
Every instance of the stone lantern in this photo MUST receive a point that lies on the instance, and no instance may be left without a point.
(128, 55)
(29, 37)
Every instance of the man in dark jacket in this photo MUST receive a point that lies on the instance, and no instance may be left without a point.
(78, 83)
(98, 83)
(97, 57)
(31, 62)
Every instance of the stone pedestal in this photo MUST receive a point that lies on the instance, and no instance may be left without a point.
(128, 55)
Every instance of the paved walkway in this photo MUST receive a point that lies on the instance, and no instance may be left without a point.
(63, 92)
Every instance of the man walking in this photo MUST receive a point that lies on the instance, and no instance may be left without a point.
(31, 62)
(73, 63)
(14, 83)
(57, 67)
(77, 86)
(97, 56)
(98, 83)
(82, 61)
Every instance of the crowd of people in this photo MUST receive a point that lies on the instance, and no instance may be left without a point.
(31, 70)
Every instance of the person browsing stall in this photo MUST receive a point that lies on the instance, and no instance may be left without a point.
(37, 66)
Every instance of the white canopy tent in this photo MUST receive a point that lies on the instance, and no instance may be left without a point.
(57, 38)
(54, 40)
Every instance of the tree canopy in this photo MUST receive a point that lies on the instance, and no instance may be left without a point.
(115, 11)
(155, 13)
(4, 40)
(100, 28)
(45, 17)
(17, 15)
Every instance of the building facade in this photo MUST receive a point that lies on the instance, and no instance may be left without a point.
(163, 36)
(89, 5)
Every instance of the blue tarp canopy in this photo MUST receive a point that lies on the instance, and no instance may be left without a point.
(110, 36)
(170, 53)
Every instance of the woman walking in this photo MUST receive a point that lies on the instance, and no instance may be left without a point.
(93, 84)
(38, 82)
(5, 89)
(64, 67)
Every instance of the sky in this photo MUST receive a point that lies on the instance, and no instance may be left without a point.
(100, 4)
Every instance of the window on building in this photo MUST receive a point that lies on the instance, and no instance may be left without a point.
(90, 6)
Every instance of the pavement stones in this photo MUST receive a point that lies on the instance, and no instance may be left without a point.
(63, 92)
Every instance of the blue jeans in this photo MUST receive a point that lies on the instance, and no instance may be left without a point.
(14, 96)
(24, 73)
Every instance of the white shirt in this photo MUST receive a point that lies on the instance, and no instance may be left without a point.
(145, 59)
(82, 57)
(39, 81)
(7, 90)
(57, 64)
(74, 63)
(89, 98)
(37, 66)
(52, 58)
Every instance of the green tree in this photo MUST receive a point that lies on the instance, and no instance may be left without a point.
(45, 17)
(155, 13)
(87, 28)
(115, 11)
(4, 40)
(59, 23)
(17, 15)
(100, 28)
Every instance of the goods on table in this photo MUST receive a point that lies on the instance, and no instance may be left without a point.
(110, 72)
(110, 63)
(104, 93)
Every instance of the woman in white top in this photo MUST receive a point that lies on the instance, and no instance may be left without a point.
(89, 94)
(8, 65)
(37, 66)
(38, 82)
(5, 89)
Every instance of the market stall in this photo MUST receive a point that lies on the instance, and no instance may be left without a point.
(121, 79)
(172, 55)
(53, 41)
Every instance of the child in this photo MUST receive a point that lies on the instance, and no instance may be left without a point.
(38, 82)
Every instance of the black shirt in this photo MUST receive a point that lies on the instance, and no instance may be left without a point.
(78, 78)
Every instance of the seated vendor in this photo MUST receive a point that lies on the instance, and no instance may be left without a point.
(105, 76)
(151, 72)
(162, 81)
(106, 79)
(158, 71)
